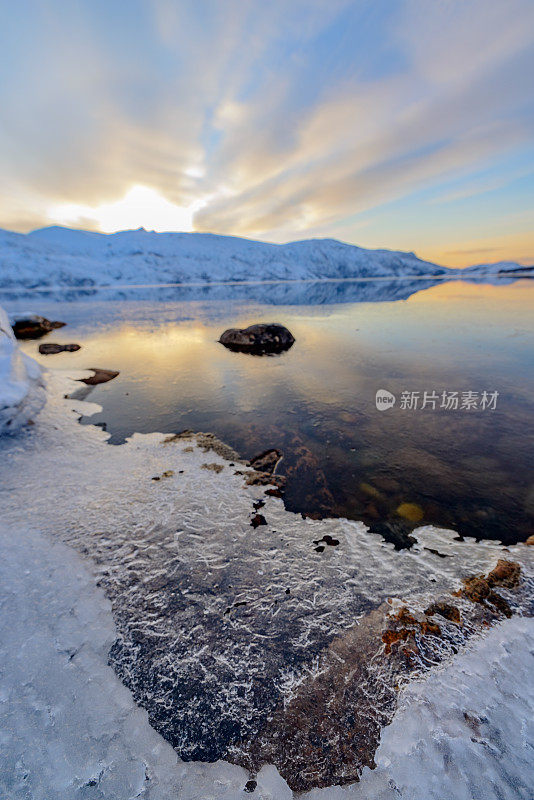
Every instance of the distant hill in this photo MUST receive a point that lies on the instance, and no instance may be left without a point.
(64, 257)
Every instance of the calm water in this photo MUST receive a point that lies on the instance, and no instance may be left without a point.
(471, 470)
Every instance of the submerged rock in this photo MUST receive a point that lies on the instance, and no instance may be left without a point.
(51, 349)
(266, 461)
(258, 339)
(32, 326)
(410, 511)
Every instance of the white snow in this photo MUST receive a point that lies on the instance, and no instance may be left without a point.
(21, 388)
(62, 257)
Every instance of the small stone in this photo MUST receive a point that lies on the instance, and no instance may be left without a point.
(273, 493)
(213, 467)
(250, 786)
(99, 376)
(33, 326)
(51, 349)
(257, 520)
(530, 540)
(410, 511)
(446, 610)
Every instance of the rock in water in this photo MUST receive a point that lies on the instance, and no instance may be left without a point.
(51, 349)
(265, 461)
(99, 376)
(32, 326)
(258, 339)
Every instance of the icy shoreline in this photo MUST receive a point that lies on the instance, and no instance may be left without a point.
(60, 482)
(69, 727)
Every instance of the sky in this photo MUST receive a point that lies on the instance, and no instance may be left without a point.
(406, 124)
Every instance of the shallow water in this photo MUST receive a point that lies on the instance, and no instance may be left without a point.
(470, 470)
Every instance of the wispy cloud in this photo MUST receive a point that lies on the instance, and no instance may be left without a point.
(274, 119)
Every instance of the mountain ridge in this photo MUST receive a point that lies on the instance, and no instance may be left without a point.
(67, 257)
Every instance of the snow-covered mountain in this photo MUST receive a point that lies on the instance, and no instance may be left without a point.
(64, 257)
(505, 268)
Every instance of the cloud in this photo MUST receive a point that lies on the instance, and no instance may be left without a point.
(271, 119)
(370, 142)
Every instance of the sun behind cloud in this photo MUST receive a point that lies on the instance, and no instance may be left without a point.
(141, 207)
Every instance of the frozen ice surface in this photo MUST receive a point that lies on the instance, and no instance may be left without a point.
(62, 257)
(68, 728)
(465, 732)
(21, 389)
(172, 556)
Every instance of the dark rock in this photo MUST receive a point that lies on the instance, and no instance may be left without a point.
(50, 349)
(99, 376)
(34, 327)
(445, 610)
(395, 532)
(253, 478)
(250, 786)
(274, 492)
(257, 520)
(506, 573)
(327, 539)
(479, 588)
(265, 461)
(258, 339)
(476, 588)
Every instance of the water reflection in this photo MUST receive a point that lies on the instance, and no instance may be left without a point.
(468, 470)
(302, 292)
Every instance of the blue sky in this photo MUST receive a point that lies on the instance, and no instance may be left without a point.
(390, 123)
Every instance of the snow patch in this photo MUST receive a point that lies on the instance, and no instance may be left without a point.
(21, 389)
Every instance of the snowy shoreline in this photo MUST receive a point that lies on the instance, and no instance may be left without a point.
(62, 485)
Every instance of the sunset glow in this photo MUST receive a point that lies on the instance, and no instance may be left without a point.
(141, 207)
(402, 125)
